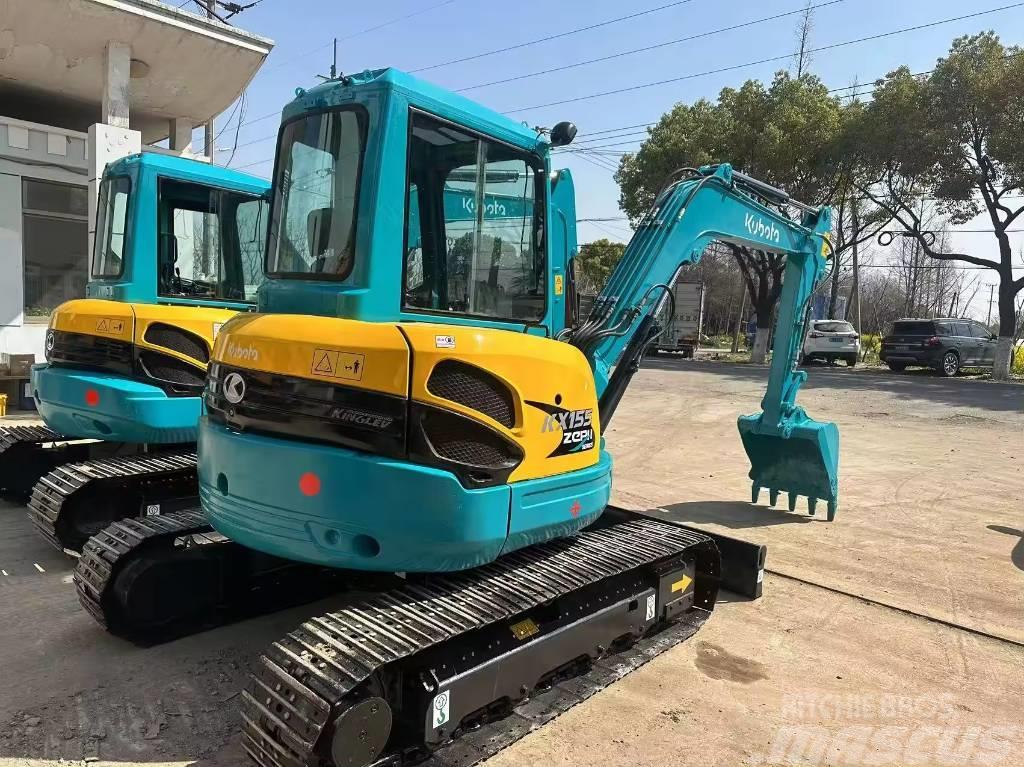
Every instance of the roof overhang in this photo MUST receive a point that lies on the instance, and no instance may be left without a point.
(191, 67)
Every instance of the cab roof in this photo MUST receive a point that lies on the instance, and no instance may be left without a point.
(431, 98)
(188, 169)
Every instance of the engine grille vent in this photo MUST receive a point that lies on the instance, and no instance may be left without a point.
(459, 439)
(89, 351)
(163, 367)
(474, 388)
(181, 341)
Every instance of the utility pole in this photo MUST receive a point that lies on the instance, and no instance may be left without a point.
(991, 289)
(856, 262)
(207, 265)
(208, 129)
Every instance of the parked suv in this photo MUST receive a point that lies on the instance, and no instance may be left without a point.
(831, 340)
(944, 344)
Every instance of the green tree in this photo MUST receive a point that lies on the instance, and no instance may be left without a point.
(785, 133)
(594, 264)
(954, 136)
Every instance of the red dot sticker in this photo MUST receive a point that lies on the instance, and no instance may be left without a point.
(309, 483)
(92, 397)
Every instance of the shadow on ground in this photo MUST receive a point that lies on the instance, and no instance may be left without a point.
(737, 515)
(920, 385)
(1017, 555)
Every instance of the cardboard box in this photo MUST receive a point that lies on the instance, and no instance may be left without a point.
(18, 365)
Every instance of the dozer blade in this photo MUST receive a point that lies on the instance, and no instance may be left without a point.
(802, 459)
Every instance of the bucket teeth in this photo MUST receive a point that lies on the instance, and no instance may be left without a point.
(792, 498)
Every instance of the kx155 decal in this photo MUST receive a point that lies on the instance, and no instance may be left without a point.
(577, 427)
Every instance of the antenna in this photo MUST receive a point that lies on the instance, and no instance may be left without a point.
(334, 65)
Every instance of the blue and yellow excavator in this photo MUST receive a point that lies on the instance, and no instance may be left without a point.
(178, 252)
(416, 399)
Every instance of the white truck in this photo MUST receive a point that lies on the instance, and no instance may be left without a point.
(683, 333)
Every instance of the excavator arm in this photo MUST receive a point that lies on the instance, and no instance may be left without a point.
(788, 450)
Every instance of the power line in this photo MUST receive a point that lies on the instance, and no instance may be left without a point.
(548, 38)
(592, 146)
(278, 65)
(770, 59)
(374, 28)
(868, 91)
(644, 49)
(597, 162)
(927, 266)
(933, 231)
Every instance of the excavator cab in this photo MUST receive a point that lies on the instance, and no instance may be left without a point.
(178, 252)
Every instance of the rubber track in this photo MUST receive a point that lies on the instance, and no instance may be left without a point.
(54, 489)
(301, 678)
(97, 564)
(12, 435)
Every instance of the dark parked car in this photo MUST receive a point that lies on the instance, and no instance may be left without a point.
(943, 344)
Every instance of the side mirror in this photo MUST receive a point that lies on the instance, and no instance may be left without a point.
(563, 134)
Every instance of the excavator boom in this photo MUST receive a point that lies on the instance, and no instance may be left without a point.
(787, 449)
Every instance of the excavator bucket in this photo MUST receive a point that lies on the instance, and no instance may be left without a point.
(804, 461)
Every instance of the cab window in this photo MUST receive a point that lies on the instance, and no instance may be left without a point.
(474, 225)
(111, 228)
(210, 242)
(316, 190)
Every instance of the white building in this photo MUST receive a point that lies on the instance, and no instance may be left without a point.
(84, 82)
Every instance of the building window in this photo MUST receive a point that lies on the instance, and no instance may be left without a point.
(55, 244)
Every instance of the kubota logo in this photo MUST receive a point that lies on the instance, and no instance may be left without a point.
(234, 388)
(492, 208)
(757, 227)
(243, 352)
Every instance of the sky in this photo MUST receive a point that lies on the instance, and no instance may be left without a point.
(420, 34)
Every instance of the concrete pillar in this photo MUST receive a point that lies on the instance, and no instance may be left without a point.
(116, 84)
(105, 144)
(181, 136)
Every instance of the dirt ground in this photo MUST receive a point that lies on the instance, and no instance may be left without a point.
(893, 636)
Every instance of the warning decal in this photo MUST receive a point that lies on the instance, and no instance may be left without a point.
(330, 363)
(106, 325)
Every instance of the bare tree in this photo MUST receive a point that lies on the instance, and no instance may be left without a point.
(804, 29)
